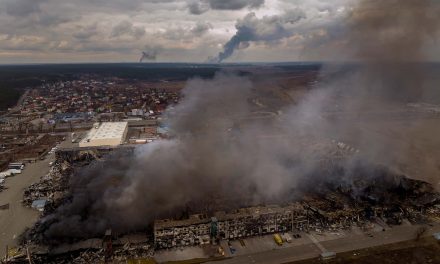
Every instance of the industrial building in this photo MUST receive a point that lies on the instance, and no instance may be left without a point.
(105, 134)
(245, 222)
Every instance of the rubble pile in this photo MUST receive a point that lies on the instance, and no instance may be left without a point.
(82, 257)
(51, 187)
(120, 255)
(334, 203)
(130, 251)
(384, 198)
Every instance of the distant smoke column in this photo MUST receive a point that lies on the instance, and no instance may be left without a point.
(228, 48)
(148, 55)
(266, 29)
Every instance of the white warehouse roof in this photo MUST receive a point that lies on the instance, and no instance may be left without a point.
(107, 133)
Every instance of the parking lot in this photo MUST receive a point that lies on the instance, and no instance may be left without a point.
(14, 217)
(17, 218)
(265, 250)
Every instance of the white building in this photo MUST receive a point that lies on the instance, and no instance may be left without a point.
(137, 112)
(105, 134)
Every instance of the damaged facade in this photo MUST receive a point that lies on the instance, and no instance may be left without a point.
(200, 229)
(336, 209)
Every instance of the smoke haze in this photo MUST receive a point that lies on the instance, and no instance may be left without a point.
(210, 159)
(216, 154)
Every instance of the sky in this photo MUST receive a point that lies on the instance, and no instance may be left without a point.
(38, 31)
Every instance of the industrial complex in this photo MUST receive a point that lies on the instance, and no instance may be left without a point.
(89, 191)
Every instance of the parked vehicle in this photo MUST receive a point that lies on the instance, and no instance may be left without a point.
(16, 166)
(287, 238)
(15, 171)
(278, 239)
(5, 174)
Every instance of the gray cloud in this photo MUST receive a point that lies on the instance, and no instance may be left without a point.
(201, 28)
(234, 4)
(197, 7)
(85, 33)
(127, 28)
(188, 33)
(123, 27)
(22, 7)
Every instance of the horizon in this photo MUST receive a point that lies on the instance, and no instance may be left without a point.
(250, 63)
(190, 31)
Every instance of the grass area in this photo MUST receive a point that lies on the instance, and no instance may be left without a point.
(426, 250)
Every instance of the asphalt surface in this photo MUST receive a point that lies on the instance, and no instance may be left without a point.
(17, 218)
(348, 243)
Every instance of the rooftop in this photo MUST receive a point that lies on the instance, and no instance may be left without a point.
(223, 216)
(107, 130)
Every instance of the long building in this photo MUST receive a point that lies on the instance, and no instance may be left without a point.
(246, 222)
(105, 134)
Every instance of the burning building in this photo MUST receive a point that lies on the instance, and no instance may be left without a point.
(389, 198)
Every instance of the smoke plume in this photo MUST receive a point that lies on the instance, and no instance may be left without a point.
(213, 158)
(225, 156)
(150, 54)
(265, 29)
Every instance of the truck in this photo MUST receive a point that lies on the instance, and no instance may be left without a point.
(16, 166)
(17, 163)
(278, 239)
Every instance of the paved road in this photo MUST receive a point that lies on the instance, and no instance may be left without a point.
(15, 220)
(348, 243)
